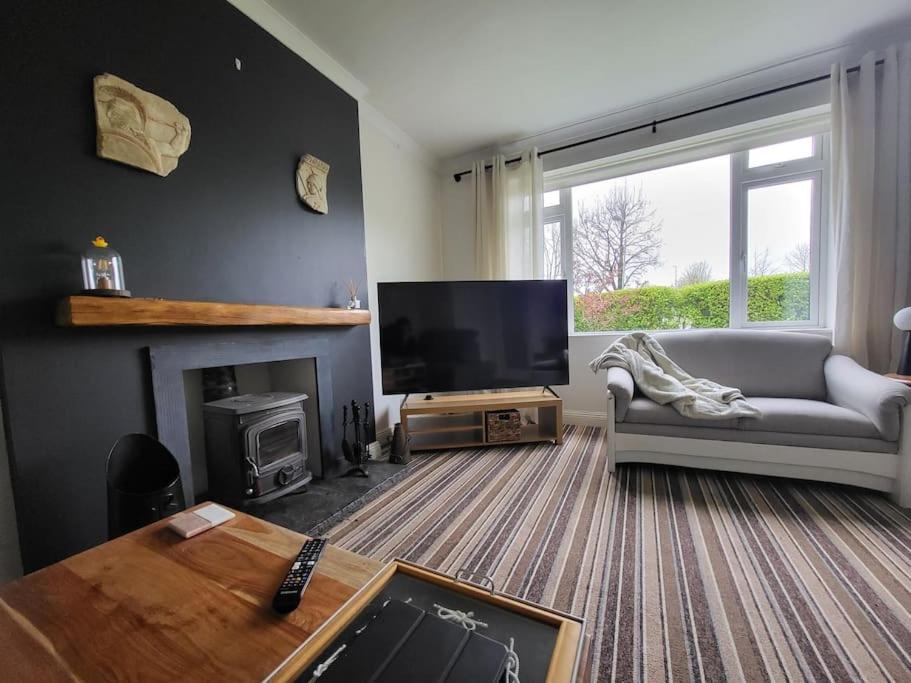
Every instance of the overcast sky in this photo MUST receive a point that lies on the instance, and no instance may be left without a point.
(693, 203)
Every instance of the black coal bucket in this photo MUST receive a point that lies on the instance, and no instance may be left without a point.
(143, 481)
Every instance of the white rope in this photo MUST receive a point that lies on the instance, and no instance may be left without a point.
(512, 663)
(382, 607)
(457, 616)
(464, 619)
(322, 668)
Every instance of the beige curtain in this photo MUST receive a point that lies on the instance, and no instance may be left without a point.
(871, 204)
(509, 243)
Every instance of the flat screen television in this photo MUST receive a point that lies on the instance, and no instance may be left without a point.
(465, 336)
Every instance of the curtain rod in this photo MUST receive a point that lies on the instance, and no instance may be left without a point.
(676, 117)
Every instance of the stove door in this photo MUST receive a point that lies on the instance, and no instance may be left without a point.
(276, 439)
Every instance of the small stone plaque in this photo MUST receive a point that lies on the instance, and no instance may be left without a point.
(312, 174)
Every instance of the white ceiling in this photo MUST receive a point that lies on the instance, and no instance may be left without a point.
(457, 75)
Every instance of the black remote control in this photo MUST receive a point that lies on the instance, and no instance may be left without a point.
(288, 596)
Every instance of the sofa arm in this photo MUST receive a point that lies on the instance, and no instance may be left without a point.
(878, 398)
(620, 384)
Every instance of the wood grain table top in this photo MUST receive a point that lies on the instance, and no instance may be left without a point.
(153, 606)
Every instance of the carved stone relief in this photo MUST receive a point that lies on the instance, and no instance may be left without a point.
(311, 182)
(138, 128)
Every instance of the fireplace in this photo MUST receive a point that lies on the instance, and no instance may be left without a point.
(300, 366)
(256, 447)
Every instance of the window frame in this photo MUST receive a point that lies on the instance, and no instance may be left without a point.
(742, 179)
(563, 213)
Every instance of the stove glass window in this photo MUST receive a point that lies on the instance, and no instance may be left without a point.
(278, 442)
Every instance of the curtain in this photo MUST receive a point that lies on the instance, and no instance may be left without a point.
(871, 204)
(509, 241)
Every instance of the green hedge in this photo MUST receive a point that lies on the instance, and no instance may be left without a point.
(769, 297)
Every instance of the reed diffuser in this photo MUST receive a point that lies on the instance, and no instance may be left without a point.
(353, 287)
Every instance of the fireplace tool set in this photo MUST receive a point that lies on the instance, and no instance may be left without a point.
(356, 452)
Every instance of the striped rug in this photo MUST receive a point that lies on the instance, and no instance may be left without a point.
(680, 574)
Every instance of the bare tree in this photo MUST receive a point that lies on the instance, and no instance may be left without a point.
(798, 259)
(762, 264)
(553, 257)
(695, 273)
(616, 240)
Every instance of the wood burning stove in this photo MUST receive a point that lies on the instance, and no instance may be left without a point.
(256, 447)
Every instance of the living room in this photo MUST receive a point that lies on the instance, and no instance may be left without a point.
(498, 342)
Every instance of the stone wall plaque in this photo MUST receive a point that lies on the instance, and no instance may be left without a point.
(312, 174)
(138, 128)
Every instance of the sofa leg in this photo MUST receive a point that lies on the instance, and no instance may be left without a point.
(610, 433)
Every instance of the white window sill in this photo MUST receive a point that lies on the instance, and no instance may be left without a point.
(825, 331)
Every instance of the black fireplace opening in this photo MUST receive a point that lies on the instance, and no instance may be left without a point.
(253, 430)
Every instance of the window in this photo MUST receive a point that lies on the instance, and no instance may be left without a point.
(727, 240)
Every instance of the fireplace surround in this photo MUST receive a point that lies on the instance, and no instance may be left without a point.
(169, 362)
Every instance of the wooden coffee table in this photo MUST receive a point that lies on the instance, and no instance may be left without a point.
(152, 606)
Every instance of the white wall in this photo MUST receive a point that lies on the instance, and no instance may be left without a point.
(403, 219)
(458, 229)
(10, 561)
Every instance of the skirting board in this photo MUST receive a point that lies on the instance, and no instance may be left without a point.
(380, 447)
(585, 418)
(384, 436)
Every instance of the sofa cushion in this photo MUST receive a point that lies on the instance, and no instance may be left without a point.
(644, 410)
(785, 415)
(800, 416)
(758, 362)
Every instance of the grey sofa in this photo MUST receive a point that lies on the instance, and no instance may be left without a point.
(823, 416)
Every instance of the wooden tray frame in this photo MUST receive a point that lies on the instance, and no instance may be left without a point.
(563, 662)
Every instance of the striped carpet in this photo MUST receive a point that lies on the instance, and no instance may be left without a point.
(680, 574)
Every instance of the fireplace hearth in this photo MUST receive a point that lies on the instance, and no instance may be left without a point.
(256, 447)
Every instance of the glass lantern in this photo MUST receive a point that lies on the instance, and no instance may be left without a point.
(102, 270)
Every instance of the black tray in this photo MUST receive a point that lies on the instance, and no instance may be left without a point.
(545, 642)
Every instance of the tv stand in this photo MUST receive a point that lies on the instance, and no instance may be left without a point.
(459, 421)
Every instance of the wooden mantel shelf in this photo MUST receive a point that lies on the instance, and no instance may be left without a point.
(94, 311)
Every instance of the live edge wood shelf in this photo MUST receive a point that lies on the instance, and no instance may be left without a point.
(459, 421)
(93, 311)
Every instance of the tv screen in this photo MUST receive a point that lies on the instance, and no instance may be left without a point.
(463, 336)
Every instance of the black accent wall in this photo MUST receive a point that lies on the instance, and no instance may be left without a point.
(226, 225)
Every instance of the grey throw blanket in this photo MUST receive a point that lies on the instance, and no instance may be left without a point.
(663, 381)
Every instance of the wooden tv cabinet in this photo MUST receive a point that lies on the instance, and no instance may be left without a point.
(458, 421)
